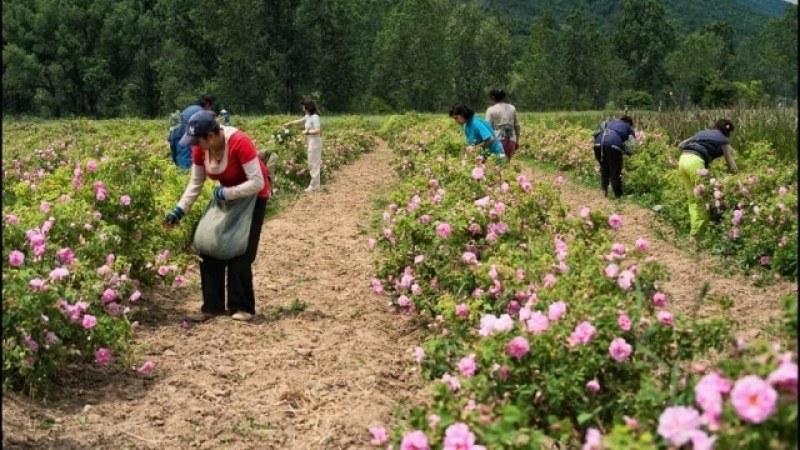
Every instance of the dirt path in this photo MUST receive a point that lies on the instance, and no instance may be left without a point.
(309, 379)
(753, 307)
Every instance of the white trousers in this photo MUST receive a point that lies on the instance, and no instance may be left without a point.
(314, 161)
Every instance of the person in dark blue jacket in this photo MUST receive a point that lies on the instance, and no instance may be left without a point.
(609, 145)
(182, 155)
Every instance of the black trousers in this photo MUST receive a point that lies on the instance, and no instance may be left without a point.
(241, 296)
(610, 160)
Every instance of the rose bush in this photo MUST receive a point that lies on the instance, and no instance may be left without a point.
(83, 236)
(765, 190)
(544, 326)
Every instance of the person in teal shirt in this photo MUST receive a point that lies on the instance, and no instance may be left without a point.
(478, 132)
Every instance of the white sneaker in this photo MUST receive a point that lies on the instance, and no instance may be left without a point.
(242, 316)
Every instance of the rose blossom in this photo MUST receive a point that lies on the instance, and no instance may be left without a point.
(415, 440)
(615, 221)
(594, 440)
(102, 357)
(379, 435)
(467, 366)
(444, 230)
(624, 322)
(518, 347)
(676, 424)
(659, 299)
(419, 354)
(16, 258)
(785, 376)
(665, 318)
(583, 334)
(753, 399)
(538, 323)
(619, 349)
(556, 311)
(459, 437)
(146, 368)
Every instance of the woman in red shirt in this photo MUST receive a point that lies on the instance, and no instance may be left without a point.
(227, 155)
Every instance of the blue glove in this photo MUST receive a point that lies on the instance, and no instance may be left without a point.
(219, 193)
(175, 216)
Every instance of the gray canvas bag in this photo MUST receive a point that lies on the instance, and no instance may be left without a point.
(224, 228)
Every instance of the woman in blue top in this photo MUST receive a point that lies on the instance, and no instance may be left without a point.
(478, 132)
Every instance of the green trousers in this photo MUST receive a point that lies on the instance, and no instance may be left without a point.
(688, 166)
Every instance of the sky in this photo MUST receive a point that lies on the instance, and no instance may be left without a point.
(791, 1)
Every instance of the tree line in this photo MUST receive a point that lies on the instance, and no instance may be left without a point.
(146, 58)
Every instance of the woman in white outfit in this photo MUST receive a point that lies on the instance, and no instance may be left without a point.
(313, 133)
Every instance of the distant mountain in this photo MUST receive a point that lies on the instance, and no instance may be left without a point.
(746, 16)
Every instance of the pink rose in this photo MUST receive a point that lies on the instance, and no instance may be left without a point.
(419, 354)
(677, 423)
(615, 221)
(102, 357)
(619, 349)
(467, 366)
(665, 318)
(16, 258)
(89, 322)
(556, 311)
(785, 376)
(444, 230)
(469, 258)
(518, 347)
(659, 299)
(593, 386)
(538, 323)
(624, 322)
(379, 436)
(583, 334)
(753, 399)
(459, 437)
(625, 280)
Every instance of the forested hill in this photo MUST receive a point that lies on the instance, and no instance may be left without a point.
(746, 17)
(147, 58)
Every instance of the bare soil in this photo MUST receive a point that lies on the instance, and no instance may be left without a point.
(315, 376)
(752, 308)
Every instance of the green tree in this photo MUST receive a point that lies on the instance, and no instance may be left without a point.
(698, 58)
(593, 70)
(540, 75)
(771, 56)
(327, 30)
(479, 54)
(21, 72)
(411, 70)
(643, 39)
